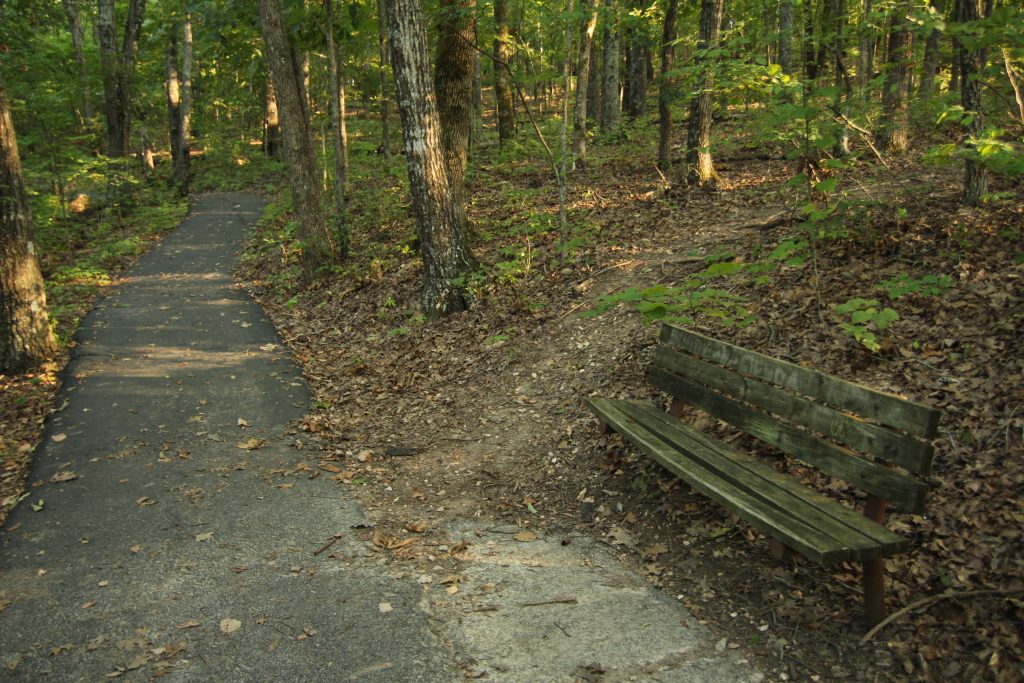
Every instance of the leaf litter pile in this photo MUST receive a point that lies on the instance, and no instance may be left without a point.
(480, 415)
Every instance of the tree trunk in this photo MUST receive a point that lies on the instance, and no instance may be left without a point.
(476, 130)
(636, 76)
(316, 242)
(385, 82)
(895, 132)
(453, 86)
(174, 109)
(503, 56)
(700, 168)
(867, 49)
(337, 136)
(118, 68)
(583, 81)
(666, 87)
(440, 224)
(272, 123)
(972, 61)
(187, 59)
(25, 338)
(594, 85)
(810, 66)
(932, 56)
(610, 96)
(844, 90)
(786, 36)
(73, 14)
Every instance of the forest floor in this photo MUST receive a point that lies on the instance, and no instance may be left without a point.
(480, 414)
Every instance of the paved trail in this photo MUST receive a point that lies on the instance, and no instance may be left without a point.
(162, 548)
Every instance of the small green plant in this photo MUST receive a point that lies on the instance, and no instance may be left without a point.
(929, 285)
(866, 318)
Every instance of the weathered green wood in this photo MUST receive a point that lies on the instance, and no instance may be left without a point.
(902, 491)
(766, 518)
(893, 411)
(865, 537)
(892, 446)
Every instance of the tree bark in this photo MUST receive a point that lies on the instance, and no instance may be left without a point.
(174, 109)
(700, 167)
(895, 132)
(272, 123)
(440, 224)
(610, 96)
(118, 68)
(187, 59)
(579, 138)
(503, 57)
(72, 11)
(338, 136)
(25, 338)
(636, 76)
(867, 49)
(594, 85)
(786, 36)
(666, 87)
(316, 242)
(932, 56)
(385, 82)
(453, 87)
(972, 61)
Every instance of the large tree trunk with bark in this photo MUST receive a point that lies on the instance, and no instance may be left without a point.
(453, 86)
(894, 135)
(317, 245)
(932, 56)
(579, 139)
(594, 85)
(700, 169)
(72, 11)
(187, 64)
(118, 67)
(867, 48)
(666, 87)
(440, 223)
(271, 122)
(385, 81)
(786, 36)
(972, 61)
(635, 100)
(610, 97)
(502, 61)
(338, 136)
(25, 338)
(174, 110)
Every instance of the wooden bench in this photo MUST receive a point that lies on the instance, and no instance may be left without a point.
(847, 431)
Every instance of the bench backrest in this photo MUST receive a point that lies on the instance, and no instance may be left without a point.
(822, 420)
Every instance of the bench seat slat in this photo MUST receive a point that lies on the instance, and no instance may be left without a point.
(892, 446)
(915, 418)
(768, 519)
(867, 538)
(903, 492)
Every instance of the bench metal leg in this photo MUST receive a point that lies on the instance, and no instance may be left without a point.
(781, 552)
(874, 570)
(676, 408)
(604, 427)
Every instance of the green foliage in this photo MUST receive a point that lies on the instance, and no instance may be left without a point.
(929, 285)
(866, 318)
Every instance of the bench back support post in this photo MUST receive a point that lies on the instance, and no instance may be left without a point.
(874, 570)
(676, 408)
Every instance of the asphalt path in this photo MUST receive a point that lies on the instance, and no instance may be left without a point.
(159, 540)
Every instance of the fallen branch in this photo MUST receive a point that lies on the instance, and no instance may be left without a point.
(930, 600)
(556, 601)
(325, 546)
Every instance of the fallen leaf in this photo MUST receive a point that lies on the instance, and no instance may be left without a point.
(525, 536)
(250, 444)
(655, 550)
(64, 475)
(416, 527)
(619, 536)
(135, 548)
(452, 590)
(230, 625)
(87, 605)
(385, 607)
(242, 422)
(57, 438)
(103, 584)
(188, 624)
(204, 536)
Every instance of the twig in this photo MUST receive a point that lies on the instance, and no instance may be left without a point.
(925, 602)
(556, 601)
(325, 546)
(485, 608)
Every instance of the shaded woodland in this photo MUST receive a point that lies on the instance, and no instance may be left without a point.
(475, 211)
